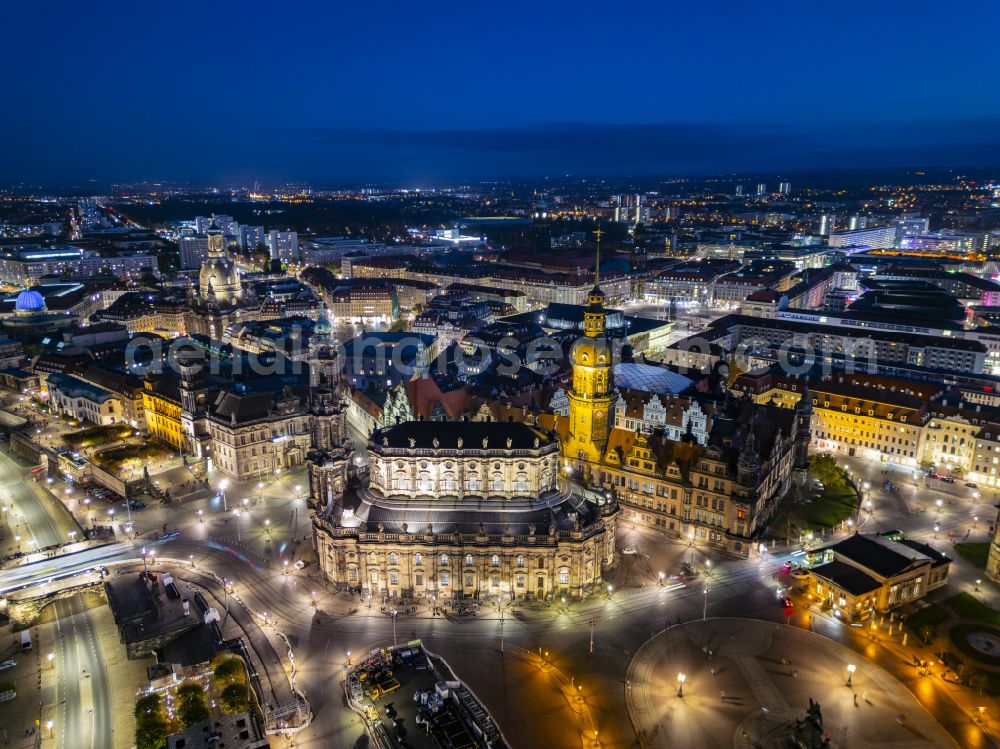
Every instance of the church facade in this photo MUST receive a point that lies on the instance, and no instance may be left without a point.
(468, 510)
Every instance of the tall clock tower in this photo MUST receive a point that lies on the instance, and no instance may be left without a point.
(591, 395)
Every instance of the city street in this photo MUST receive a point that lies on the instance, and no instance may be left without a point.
(83, 694)
(251, 550)
(29, 522)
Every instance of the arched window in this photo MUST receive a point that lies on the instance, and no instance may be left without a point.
(400, 482)
(520, 560)
(393, 558)
(496, 482)
(468, 560)
(495, 560)
(448, 483)
(444, 560)
(473, 484)
(418, 558)
(564, 576)
(521, 482)
(545, 480)
(424, 482)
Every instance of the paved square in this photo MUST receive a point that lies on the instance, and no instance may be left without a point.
(746, 682)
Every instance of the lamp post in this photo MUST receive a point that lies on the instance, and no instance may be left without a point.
(938, 503)
(850, 673)
(145, 570)
(260, 488)
(978, 580)
(936, 529)
(394, 614)
(975, 521)
(222, 490)
(704, 608)
(51, 657)
(681, 678)
(200, 518)
(236, 514)
(267, 526)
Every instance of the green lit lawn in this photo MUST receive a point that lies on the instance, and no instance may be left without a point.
(967, 606)
(929, 616)
(975, 554)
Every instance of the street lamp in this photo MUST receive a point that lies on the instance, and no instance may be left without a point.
(51, 657)
(610, 590)
(704, 608)
(394, 614)
(978, 580)
(938, 503)
(49, 724)
(975, 521)
(260, 487)
(663, 576)
(681, 678)
(200, 518)
(936, 529)
(267, 526)
(850, 672)
(222, 490)
(236, 514)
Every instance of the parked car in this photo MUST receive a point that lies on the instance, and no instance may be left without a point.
(948, 479)
(972, 484)
(787, 602)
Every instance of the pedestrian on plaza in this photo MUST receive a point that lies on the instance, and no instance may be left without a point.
(722, 695)
(865, 696)
(855, 699)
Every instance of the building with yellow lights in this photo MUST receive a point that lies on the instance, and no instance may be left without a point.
(161, 400)
(720, 489)
(892, 420)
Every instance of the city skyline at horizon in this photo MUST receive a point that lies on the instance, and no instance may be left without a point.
(337, 95)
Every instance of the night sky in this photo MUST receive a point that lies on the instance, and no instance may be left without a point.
(339, 92)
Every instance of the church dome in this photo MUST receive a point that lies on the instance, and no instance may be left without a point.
(219, 276)
(322, 326)
(29, 301)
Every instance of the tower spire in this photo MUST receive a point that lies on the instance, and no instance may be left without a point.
(598, 233)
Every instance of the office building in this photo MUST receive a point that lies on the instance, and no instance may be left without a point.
(785, 188)
(252, 237)
(761, 189)
(827, 224)
(193, 250)
(284, 245)
(876, 238)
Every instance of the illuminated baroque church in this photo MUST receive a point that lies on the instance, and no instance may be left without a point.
(220, 299)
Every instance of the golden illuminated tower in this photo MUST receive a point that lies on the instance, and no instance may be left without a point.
(591, 395)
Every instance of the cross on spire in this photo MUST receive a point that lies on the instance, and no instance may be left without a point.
(598, 233)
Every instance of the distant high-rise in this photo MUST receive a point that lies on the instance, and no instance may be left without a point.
(761, 189)
(739, 191)
(857, 222)
(251, 237)
(284, 245)
(827, 224)
(193, 250)
(785, 188)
